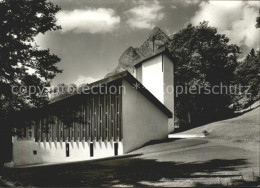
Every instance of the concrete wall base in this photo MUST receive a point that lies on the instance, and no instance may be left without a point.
(28, 152)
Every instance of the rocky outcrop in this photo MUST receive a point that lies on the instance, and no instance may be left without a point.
(156, 40)
(244, 49)
(129, 56)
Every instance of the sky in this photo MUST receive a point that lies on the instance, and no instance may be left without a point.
(96, 32)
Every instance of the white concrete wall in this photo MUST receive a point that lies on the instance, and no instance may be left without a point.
(152, 76)
(139, 74)
(52, 152)
(157, 75)
(168, 78)
(142, 120)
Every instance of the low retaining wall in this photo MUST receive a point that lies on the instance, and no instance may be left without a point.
(27, 152)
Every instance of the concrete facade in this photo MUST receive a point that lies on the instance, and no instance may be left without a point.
(28, 152)
(157, 75)
(168, 82)
(142, 120)
(152, 77)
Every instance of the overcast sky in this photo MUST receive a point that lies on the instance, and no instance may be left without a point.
(96, 32)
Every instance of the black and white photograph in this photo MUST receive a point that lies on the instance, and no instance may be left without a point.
(129, 93)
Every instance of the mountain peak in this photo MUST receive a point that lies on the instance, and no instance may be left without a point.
(157, 34)
(130, 49)
(244, 49)
(156, 40)
(129, 56)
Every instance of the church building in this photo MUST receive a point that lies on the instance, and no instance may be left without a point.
(112, 116)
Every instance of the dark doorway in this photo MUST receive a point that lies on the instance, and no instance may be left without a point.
(116, 149)
(67, 149)
(91, 149)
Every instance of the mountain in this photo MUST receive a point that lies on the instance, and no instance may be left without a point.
(129, 56)
(156, 40)
(244, 51)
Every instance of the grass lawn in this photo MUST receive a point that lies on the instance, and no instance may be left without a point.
(244, 128)
(229, 156)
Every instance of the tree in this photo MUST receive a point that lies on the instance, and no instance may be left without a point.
(24, 66)
(202, 58)
(258, 20)
(247, 73)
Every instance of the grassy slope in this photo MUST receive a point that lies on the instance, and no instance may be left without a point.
(244, 128)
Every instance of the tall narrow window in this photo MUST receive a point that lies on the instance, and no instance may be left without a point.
(100, 121)
(105, 118)
(30, 130)
(67, 149)
(72, 132)
(61, 130)
(112, 120)
(79, 123)
(50, 127)
(24, 132)
(117, 116)
(36, 129)
(83, 131)
(89, 123)
(95, 120)
(83, 122)
(39, 130)
(116, 149)
(69, 133)
(106, 124)
(91, 149)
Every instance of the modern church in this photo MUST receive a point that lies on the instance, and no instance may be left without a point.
(112, 116)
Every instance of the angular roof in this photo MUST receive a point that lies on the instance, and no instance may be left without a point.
(125, 75)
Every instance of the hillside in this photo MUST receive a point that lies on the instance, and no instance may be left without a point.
(244, 128)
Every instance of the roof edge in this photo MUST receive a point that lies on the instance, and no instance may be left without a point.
(131, 80)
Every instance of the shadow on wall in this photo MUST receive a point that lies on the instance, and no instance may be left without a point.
(127, 172)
